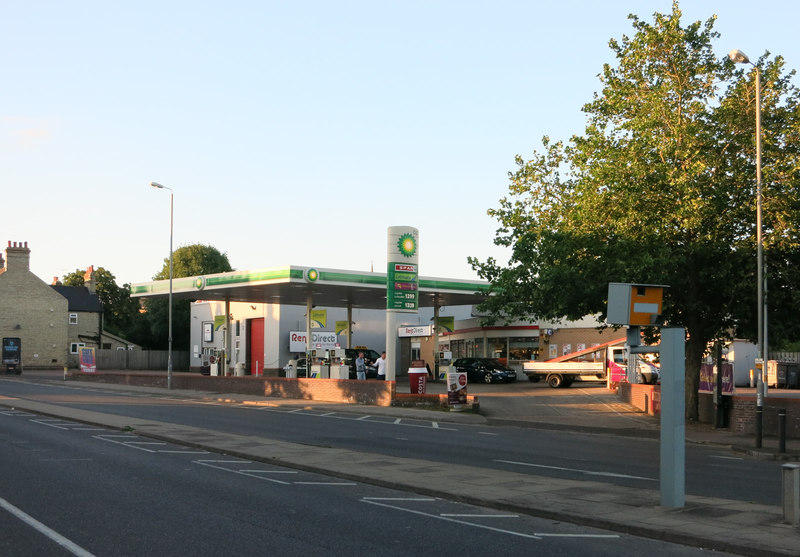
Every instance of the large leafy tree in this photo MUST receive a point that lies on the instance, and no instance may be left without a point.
(187, 261)
(660, 188)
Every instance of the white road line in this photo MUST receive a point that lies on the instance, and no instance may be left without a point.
(587, 472)
(448, 519)
(399, 499)
(49, 532)
(435, 425)
(181, 452)
(487, 433)
(269, 471)
(594, 536)
(480, 515)
(325, 483)
(363, 417)
(45, 422)
(209, 465)
(397, 420)
(131, 445)
(239, 461)
(726, 457)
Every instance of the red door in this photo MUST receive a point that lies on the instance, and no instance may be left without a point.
(255, 346)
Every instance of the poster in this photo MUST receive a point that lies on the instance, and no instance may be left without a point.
(87, 361)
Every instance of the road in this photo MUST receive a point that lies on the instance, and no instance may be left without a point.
(633, 462)
(74, 489)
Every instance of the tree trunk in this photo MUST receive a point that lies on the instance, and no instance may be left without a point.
(695, 347)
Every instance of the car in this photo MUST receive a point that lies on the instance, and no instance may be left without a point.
(648, 373)
(485, 370)
(302, 370)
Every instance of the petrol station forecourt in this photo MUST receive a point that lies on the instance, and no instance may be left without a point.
(313, 287)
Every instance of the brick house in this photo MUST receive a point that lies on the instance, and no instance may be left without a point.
(33, 311)
(52, 321)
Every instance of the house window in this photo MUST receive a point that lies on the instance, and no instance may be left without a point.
(73, 318)
(75, 347)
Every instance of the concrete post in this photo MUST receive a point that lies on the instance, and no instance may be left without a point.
(791, 494)
(673, 404)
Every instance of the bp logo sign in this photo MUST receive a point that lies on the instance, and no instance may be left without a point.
(311, 275)
(407, 245)
(200, 283)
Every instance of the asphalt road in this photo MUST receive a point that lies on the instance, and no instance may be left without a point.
(634, 462)
(73, 489)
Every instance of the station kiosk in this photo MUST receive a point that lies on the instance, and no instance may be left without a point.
(338, 369)
(445, 359)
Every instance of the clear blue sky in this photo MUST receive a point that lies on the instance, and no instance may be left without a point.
(297, 132)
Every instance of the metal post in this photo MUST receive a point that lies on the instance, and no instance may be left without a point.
(673, 405)
(782, 430)
(169, 340)
(759, 410)
(718, 421)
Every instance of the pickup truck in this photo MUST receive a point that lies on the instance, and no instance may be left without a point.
(596, 362)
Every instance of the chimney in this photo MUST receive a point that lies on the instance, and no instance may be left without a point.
(88, 280)
(18, 256)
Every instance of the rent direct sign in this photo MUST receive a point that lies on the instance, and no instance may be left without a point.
(322, 340)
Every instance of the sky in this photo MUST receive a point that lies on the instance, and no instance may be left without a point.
(297, 132)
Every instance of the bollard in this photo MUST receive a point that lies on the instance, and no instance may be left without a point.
(759, 422)
(782, 430)
(791, 494)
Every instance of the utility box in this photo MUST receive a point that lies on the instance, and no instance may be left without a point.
(634, 304)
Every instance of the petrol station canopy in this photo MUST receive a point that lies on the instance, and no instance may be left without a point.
(296, 285)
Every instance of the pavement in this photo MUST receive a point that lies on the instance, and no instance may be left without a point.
(708, 522)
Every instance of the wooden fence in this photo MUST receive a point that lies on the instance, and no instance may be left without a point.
(155, 360)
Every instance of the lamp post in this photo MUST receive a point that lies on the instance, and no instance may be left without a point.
(169, 338)
(740, 57)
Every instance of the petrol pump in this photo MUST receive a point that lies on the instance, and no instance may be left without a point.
(319, 368)
(445, 359)
(338, 368)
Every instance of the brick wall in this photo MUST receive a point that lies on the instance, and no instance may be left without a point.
(743, 416)
(375, 393)
(646, 398)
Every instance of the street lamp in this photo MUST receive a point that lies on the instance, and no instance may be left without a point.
(169, 338)
(740, 57)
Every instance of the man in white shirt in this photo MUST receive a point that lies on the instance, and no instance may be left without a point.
(381, 365)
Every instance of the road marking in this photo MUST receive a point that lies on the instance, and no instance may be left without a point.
(209, 464)
(363, 417)
(131, 445)
(269, 471)
(488, 433)
(49, 532)
(726, 457)
(397, 420)
(399, 499)
(587, 472)
(455, 520)
(480, 515)
(46, 422)
(325, 483)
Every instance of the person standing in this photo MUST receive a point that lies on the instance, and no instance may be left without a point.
(361, 367)
(380, 363)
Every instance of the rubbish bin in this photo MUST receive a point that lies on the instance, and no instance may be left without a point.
(418, 380)
(239, 371)
(793, 381)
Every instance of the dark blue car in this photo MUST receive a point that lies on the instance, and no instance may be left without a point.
(485, 370)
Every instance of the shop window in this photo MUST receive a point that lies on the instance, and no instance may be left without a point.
(522, 348)
(498, 348)
(73, 318)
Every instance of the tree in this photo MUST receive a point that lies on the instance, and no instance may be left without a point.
(187, 261)
(659, 189)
